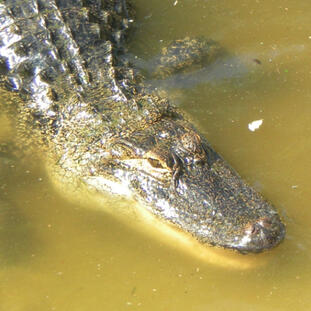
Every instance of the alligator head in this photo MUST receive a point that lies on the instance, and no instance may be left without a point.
(172, 169)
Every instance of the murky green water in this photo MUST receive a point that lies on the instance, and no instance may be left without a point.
(60, 254)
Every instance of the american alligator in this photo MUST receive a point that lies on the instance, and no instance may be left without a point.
(80, 95)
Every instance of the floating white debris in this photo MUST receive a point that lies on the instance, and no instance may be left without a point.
(255, 125)
(175, 3)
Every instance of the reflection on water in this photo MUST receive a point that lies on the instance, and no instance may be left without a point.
(60, 254)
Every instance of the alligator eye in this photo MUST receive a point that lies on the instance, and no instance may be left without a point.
(155, 163)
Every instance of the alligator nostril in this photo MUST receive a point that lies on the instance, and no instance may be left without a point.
(254, 229)
(264, 224)
(264, 233)
(261, 226)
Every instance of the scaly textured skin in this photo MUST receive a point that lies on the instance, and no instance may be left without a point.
(83, 102)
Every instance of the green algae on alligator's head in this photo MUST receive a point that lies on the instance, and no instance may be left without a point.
(106, 130)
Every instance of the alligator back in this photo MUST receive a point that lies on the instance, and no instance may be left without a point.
(42, 42)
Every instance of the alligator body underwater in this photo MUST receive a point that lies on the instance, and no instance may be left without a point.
(83, 101)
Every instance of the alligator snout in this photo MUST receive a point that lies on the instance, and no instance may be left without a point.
(265, 233)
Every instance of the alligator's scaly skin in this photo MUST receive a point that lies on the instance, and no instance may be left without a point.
(64, 58)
